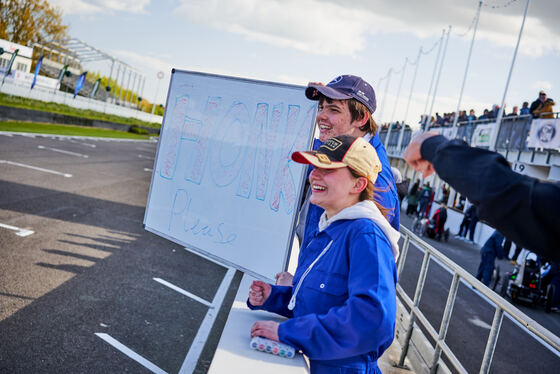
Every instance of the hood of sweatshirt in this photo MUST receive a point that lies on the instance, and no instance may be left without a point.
(365, 209)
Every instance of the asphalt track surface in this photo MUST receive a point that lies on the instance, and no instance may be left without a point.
(90, 268)
(89, 271)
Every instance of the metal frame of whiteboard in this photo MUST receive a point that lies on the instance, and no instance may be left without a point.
(287, 251)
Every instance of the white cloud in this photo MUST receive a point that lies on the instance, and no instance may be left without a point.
(542, 85)
(76, 7)
(332, 27)
(91, 7)
(303, 25)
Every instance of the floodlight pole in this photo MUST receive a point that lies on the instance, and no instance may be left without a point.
(385, 93)
(454, 127)
(439, 73)
(433, 78)
(494, 134)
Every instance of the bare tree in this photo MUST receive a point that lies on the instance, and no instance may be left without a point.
(29, 21)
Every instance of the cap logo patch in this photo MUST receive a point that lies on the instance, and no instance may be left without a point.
(332, 144)
(335, 80)
(324, 159)
(362, 95)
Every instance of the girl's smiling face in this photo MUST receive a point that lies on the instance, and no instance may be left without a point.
(335, 189)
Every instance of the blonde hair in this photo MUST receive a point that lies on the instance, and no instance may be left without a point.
(370, 193)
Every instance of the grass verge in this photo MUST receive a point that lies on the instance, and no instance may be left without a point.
(43, 128)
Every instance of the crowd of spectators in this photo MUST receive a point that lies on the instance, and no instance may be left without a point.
(540, 108)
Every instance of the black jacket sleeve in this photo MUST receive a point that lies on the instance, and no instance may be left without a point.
(523, 209)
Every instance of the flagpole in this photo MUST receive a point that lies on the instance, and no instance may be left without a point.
(432, 81)
(439, 75)
(494, 136)
(454, 127)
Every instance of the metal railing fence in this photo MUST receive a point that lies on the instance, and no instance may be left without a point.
(459, 274)
(513, 134)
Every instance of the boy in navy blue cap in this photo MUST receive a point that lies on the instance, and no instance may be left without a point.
(346, 106)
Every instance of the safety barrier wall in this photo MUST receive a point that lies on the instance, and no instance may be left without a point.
(459, 274)
(49, 95)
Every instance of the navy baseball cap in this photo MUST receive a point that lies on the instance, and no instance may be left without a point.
(345, 87)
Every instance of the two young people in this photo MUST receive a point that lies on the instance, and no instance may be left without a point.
(341, 302)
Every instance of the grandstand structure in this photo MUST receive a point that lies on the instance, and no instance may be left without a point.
(76, 53)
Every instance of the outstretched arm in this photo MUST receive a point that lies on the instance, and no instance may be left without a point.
(524, 209)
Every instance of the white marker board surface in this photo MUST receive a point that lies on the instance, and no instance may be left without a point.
(223, 182)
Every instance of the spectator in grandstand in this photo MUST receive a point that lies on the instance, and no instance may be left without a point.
(490, 250)
(514, 112)
(522, 208)
(439, 119)
(525, 109)
(485, 115)
(471, 117)
(542, 107)
(493, 114)
(463, 116)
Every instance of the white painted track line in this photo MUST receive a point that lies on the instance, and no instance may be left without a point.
(130, 353)
(147, 158)
(66, 175)
(86, 144)
(183, 292)
(62, 151)
(19, 232)
(204, 330)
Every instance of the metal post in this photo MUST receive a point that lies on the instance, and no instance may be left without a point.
(402, 257)
(439, 72)
(132, 88)
(385, 93)
(114, 88)
(433, 77)
(494, 136)
(122, 83)
(111, 74)
(403, 71)
(127, 86)
(417, 296)
(401, 135)
(445, 321)
(492, 340)
(466, 71)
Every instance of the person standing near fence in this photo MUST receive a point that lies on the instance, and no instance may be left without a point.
(542, 107)
(472, 223)
(492, 248)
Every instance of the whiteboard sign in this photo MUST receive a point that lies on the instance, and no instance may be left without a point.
(223, 182)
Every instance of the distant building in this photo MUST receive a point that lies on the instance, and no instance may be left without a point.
(23, 59)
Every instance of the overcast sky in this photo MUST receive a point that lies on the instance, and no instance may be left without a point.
(297, 41)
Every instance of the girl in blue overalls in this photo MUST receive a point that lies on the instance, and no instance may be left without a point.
(342, 305)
